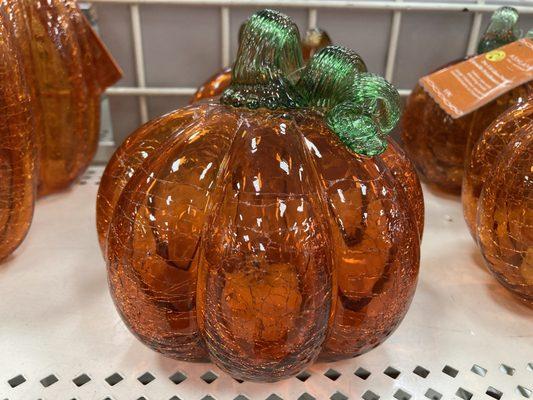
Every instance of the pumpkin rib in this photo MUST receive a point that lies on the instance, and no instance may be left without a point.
(70, 68)
(405, 174)
(131, 155)
(348, 339)
(327, 212)
(221, 315)
(398, 166)
(143, 262)
(88, 144)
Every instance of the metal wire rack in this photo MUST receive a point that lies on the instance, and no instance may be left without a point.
(313, 7)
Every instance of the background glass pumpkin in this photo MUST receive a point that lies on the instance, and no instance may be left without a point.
(56, 69)
(71, 69)
(498, 198)
(437, 143)
(314, 40)
(17, 138)
(269, 227)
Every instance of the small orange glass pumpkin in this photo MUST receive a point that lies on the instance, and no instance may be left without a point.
(56, 69)
(269, 227)
(438, 144)
(314, 40)
(498, 198)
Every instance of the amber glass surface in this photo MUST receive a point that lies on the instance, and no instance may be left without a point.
(437, 143)
(314, 40)
(485, 154)
(404, 171)
(149, 137)
(214, 86)
(505, 215)
(254, 238)
(130, 156)
(71, 69)
(17, 144)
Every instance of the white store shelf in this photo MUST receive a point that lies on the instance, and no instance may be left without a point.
(58, 319)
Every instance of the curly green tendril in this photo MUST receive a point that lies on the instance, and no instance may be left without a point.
(359, 107)
(328, 75)
(502, 30)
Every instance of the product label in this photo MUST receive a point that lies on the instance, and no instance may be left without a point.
(466, 86)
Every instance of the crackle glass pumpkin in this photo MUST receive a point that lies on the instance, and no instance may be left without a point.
(498, 198)
(17, 139)
(269, 227)
(437, 143)
(314, 40)
(54, 70)
(71, 69)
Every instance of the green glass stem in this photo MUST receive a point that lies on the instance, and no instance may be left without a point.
(359, 107)
(502, 30)
(267, 63)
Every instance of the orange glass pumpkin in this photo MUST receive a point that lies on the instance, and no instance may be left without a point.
(436, 143)
(71, 70)
(56, 69)
(17, 139)
(269, 227)
(314, 40)
(498, 198)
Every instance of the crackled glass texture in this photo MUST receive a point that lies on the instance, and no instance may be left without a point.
(255, 237)
(438, 144)
(53, 71)
(314, 40)
(484, 154)
(17, 139)
(498, 198)
(71, 69)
